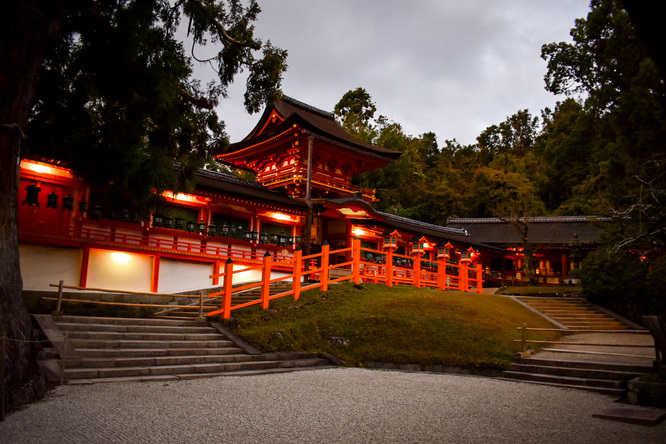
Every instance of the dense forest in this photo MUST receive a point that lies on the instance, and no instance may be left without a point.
(602, 152)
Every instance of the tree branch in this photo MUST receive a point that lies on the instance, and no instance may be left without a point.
(222, 31)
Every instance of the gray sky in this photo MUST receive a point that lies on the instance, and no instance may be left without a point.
(452, 67)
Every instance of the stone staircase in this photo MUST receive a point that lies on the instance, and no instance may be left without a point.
(600, 377)
(573, 313)
(581, 361)
(123, 349)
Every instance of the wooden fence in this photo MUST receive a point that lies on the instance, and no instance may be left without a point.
(366, 265)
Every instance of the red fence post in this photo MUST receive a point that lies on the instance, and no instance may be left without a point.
(228, 285)
(266, 280)
(389, 268)
(479, 278)
(463, 271)
(356, 260)
(441, 274)
(416, 272)
(296, 280)
(324, 277)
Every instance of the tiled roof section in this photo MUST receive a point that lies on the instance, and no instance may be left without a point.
(326, 123)
(321, 123)
(309, 108)
(541, 230)
(228, 184)
(536, 219)
(423, 226)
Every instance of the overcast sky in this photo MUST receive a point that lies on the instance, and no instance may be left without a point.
(447, 66)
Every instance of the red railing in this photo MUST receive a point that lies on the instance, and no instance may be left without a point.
(461, 276)
(74, 235)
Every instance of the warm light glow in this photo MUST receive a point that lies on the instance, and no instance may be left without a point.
(361, 232)
(42, 168)
(121, 258)
(426, 245)
(281, 216)
(181, 197)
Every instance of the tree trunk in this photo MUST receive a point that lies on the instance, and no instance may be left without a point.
(29, 29)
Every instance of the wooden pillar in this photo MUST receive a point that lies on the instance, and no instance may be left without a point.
(228, 285)
(85, 263)
(356, 260)
(479, 278)
(155, 278)
(389, 267)
(266, 280)
(297, 273)
(416, 277)
(323, 274)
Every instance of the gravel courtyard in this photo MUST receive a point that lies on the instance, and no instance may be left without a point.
(324, 406)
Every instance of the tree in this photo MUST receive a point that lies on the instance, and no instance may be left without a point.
(624, 102)
(356, 112)
(107, 81)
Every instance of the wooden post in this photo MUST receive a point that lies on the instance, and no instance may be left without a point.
(297, 273)
(356, 260)
(325, 259)
(479, 278)
(58, 310)
(266, 280)
(389, 268)
(523, 334)
(201, 298)
(441, 273)
(228, 285)
(416, 272)
(462, 272)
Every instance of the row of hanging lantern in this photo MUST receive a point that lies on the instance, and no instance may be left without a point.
(95, 213)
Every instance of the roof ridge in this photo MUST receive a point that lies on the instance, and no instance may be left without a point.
(307, 107)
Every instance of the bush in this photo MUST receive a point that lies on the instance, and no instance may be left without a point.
(625, 283)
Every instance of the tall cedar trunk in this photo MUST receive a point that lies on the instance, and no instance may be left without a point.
(29, 28)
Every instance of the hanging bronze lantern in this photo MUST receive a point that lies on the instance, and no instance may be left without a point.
(52, 200)
(68, 203)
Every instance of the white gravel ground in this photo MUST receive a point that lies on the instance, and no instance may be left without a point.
(323, 406)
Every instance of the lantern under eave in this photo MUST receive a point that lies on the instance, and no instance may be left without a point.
(467, 256)
(419, 245)
(445, 251)
(391, 240)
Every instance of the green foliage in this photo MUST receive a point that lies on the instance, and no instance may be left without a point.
(623, 281)
(117, 102)
(403, 325)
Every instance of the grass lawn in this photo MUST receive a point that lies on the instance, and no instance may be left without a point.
(401, 325)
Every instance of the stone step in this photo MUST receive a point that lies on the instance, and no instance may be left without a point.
(603, 390)
(588, 373)
(568, 380)
(73, 326)
(595, 365)
(153, 361)
(208, 368)
(122, 321)
(154, 352)
(182, 377)
(100, 343)
(153, 337)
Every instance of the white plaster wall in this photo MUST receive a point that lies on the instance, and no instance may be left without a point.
(178, 276)
(41, 266)
(116, 270)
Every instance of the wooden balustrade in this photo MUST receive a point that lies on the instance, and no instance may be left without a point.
(461, 276)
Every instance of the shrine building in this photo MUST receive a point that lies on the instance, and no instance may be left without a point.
(303, 198)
